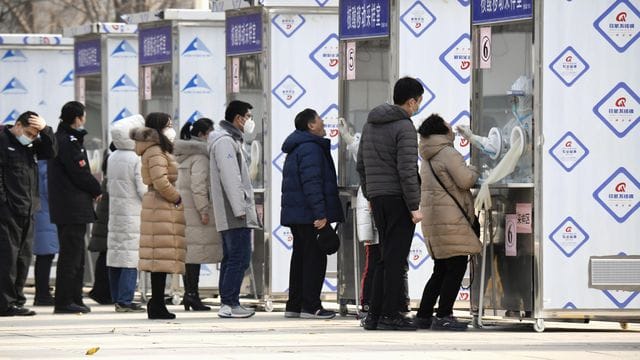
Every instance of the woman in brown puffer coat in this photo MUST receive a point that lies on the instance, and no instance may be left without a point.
(447, 230)
(162, 243)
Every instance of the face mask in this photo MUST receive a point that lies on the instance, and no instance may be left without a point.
(24, 140)
(170, 133)
(249, 126)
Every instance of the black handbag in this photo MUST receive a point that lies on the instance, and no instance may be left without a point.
(328, 240)
(475, 223)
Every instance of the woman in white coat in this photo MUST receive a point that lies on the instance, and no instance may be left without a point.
(204, 245)
(125, 190)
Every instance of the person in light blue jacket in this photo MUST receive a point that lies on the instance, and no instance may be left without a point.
(45, 242)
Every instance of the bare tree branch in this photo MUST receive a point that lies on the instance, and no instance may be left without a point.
(22, 17)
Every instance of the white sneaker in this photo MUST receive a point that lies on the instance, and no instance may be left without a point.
(227, 311)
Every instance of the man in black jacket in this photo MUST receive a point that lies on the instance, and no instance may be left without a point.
(20, 145)
(388, 169)
(72, 190)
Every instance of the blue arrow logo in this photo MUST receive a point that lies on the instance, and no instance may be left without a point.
(196, 45)
(14, 86)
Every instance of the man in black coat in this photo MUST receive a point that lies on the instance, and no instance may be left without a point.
(388, 169)
(72, 190)
(20, 147)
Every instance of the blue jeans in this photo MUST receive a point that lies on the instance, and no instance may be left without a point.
(122, 282)
(236, 250)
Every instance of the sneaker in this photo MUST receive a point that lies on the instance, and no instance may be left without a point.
(448, 323)
(370, 322)
(422, 323)
(133, 307)
(238, 311)
(318, 314)
(292, 314)
(396, 322)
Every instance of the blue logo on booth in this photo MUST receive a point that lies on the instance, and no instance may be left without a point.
(330, 118)
(121, 115)
(278, 161)
(14, 86)
(460, 143)
(427, 97)
(124, 84)
(194, 117)
(68, 79)
(569, 151)
(288, 24)
(620, 298)
(418, 253)
(124, 49)
(197, 85)
(457, 58)
(619, 110)
(417, 18)
(619, 25)
(569, 236)
(196, 48)
(11, 118)
(326, 56)
(569, 306)
(288, 91)
(619, 195)
(569, 66)
(284, 236)
(13, 56)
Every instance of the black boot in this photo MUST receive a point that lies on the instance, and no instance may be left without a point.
(156, 309)
(191, 296)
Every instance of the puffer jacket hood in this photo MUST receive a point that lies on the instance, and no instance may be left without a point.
(226, 129)
(298, 137)
(387, 113)
(121, 129)
(145, 138)
(432, 145)
(185, 148)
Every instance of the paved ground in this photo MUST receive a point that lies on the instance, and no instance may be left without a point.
(271, 336)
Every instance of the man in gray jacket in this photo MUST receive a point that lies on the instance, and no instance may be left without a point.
(388, 169)
(234, 207)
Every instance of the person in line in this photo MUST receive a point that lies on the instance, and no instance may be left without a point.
(388, 169)
(204, 245)
(72, 191)
(446, 184)
(20, 147)
(100, 292)
(162, 243)
(234, 206)
(126, 191)
(309, 203)
(45, 242)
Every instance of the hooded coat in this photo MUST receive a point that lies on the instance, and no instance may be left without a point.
(388, 156)
(45, 240)
(444, 226)
(162, 243)
(204, 245)
(309, 185)
(126, 191)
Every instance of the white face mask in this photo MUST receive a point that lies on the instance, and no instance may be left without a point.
(249, 126)
(24, 140)
(170, 133)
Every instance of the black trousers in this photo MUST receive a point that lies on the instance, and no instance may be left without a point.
(101, 289)
(372, 258)
(395, 230)
(42, 274)
(307, 271)
(191, 278)
(445, 283)
(15, 258)
(70, 267)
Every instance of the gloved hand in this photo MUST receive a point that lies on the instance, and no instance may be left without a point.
(464, 131)
(344, 131)
(489, 145)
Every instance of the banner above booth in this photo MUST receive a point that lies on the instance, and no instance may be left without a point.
(155, 45)
(488, 11)
(87, 57)
(244, 34)
(361, 19)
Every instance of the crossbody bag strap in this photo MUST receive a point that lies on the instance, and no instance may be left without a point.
(464, 213)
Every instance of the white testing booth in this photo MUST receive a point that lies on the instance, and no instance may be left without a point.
(561, 230)
(380, 42)
(282, 57)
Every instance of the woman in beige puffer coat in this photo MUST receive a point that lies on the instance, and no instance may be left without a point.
(204, 245)
(447, 231)
(162, 244)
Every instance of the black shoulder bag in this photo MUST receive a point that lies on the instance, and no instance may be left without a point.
(475, 223)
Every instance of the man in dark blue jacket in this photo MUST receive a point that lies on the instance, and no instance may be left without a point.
(20, 147)
(309, 203)
(72, 190)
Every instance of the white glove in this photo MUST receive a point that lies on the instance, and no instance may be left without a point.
(344, 131)
(489, 145)
(464, 131)
(255, 160)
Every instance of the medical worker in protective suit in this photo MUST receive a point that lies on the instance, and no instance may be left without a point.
(511, 144)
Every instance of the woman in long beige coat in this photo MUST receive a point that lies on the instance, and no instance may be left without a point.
(204, 245)
(162, 244)
(447, 230)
